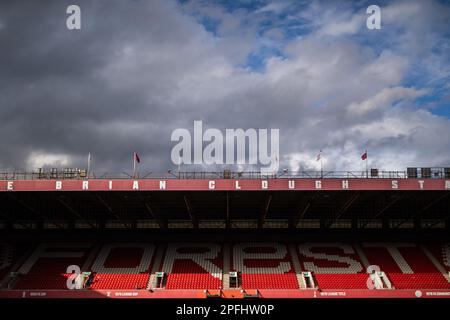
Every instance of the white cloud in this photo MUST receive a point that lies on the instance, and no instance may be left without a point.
(38, 159)
(384, 99)
(276, 7)
(343, 26)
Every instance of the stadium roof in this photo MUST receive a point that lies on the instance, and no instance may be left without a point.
(229, 200)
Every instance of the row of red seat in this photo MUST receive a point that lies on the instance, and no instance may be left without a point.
(269, 266)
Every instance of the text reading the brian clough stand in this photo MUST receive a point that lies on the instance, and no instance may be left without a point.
(225, 184)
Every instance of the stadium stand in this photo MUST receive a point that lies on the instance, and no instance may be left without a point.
(123, 266)
(441, 253)
(203, 266)
(10, 254)
(334, 265)
(406, 265)
(46, 267)
(193, 266)
(264, 266)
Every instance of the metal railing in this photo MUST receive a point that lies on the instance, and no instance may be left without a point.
(80, 174)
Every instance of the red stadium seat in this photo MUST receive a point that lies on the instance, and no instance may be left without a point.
(46, 267)
(117, 267)
(264, 266)
(193, 266)
(407, 266)
(199, 266)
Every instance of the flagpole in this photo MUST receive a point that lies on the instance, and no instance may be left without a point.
(89, 164)
(367, 160)
(179, 165)
(134, 165)
(321, 167)
(321, 164)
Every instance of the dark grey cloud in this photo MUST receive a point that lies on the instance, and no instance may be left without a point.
(55, 98)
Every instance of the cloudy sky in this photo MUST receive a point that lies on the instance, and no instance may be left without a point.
(139, 69)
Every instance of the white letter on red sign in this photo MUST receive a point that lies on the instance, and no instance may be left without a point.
(344, 184)
(394, 184)
(10, 186)
(318, 184)
(421, 182)
(58, 185)
(212, 184)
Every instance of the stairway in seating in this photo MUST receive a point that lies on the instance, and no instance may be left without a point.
(156, 266)
(226, 267)
(7, 281)
(362, 256)
(435, 262)
(297, 267)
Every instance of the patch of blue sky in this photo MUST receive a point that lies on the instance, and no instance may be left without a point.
(376, 41)
(256, 61)
(249, 5)
(291, 27)
(437, 100)
(442, 109)
(233, 5)
(436, 104)
(209, 24)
